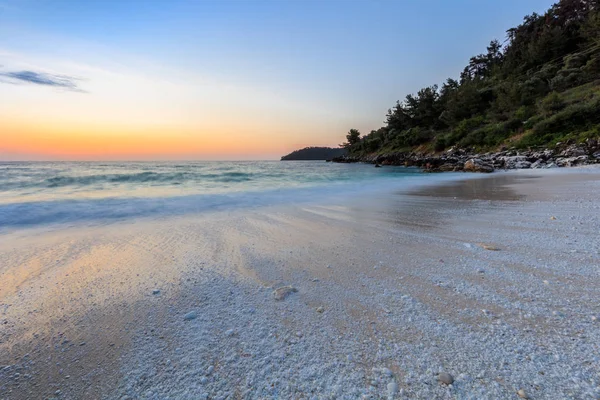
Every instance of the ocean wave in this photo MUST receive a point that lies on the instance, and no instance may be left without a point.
(48, 193)
(110, 209)
(140, 177)
(91, 211)
(147, 177)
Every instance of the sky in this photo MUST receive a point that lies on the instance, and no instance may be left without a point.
(199, 79)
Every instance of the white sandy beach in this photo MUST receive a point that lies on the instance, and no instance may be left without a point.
(391, 290)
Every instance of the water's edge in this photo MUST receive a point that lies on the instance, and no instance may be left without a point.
(33, 194)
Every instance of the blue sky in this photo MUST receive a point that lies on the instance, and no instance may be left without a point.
(298, 72)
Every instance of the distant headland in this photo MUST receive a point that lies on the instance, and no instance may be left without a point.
(315, 153)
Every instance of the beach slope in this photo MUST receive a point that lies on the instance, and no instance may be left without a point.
(493, 280)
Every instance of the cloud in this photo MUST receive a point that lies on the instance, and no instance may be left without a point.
(40, 78)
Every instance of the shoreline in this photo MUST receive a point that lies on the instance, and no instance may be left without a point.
(455, 159)
(397, 276)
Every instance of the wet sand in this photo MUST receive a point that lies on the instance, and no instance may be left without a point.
(392, 290)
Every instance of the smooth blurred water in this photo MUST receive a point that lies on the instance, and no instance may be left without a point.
(47, 192)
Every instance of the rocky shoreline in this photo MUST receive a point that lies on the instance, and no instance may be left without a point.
(564, 155)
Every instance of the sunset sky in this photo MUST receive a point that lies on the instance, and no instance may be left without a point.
(222, 79)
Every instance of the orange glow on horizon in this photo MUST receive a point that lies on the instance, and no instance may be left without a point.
(135, 143)
(129, 117)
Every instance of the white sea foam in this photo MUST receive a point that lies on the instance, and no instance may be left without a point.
(58, 193)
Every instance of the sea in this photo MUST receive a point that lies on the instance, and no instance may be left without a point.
(42, 193)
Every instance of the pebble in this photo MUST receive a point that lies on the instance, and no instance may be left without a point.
(229, 332)
(190, 316)
(392, 388)
(320, 309)
(522, 394)
(445, 378)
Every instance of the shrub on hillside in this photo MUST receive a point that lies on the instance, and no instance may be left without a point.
(552, 104)
(492, 134)
(440, 143)
(523, 113)
(575, 121)
(463, 128)
(576, 60)
(573, 118)
(531, 122)
(566, 78)
(592, 68)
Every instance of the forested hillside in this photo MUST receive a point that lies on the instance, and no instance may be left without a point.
(539, 87)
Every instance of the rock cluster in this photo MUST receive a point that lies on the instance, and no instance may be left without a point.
(564, 155)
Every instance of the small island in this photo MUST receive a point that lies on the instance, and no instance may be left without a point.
(315, 153)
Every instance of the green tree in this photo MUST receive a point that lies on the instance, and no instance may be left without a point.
(352, 138)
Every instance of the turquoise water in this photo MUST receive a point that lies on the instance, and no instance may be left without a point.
(33, 193)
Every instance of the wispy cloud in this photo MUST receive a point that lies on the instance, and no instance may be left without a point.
(41, 78)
